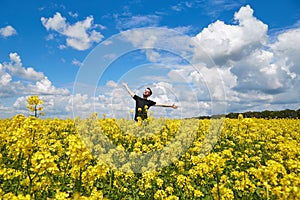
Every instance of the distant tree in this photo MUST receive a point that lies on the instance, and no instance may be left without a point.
(233, 115)
(35, 105)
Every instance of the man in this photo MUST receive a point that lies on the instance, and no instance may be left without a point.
(143, 104)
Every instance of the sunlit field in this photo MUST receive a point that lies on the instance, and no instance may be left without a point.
(103, 158)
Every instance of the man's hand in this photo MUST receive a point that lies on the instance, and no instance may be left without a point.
(174, 106)
(167, 105)
(128, 90)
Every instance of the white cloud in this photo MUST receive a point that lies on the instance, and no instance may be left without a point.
(76, 62)
(183, 5)
(16, 69)
(111, 84)
(258, 72)
(79, 36)
(5, 79)
(45, 86)
(214, 8)
(224, 42)
(75, 15)
(7, 31)
(80, 103)
(127, 21)
(287, 48)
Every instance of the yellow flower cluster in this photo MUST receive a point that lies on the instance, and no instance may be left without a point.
(107, 158)
(34, 105)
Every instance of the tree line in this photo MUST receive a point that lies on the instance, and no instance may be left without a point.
(267, 114)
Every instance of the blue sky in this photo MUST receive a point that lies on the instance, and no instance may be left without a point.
(248, 56)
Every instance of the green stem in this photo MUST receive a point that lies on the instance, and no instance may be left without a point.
(218, 187)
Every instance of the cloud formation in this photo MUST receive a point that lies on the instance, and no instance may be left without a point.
(19, 82)
(80, 35)
(127, 20)
(16, 69)
(260, 71)
(223, 42)
(7, 31)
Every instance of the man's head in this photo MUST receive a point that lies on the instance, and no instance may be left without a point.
(147, 92)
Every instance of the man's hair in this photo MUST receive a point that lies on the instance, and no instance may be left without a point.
(150, 90)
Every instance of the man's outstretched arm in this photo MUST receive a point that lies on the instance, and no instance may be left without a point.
(128, 89)
(166, 105)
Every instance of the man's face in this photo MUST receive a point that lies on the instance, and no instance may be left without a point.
(147, 92)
